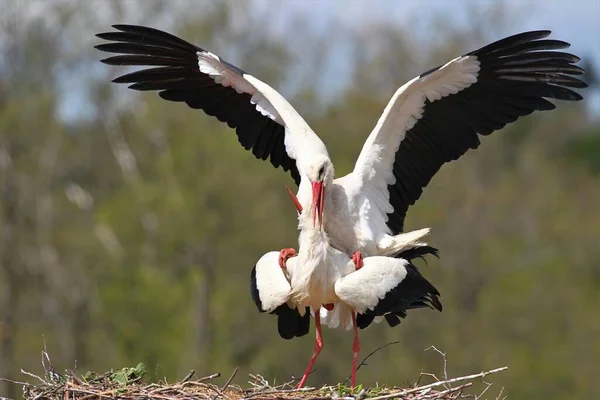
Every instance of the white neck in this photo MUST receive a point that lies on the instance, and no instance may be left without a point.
(311, 239)
(310, 278)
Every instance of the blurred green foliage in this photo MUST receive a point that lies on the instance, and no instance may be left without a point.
(128, 235)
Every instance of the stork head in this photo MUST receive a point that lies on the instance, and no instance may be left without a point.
(320, 174)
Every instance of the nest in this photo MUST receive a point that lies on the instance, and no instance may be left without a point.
(128, 384)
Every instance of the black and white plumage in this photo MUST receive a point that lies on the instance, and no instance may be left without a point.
(382, 288)
(273, 295)
(432, 119)
(413, 291)
(189, 74)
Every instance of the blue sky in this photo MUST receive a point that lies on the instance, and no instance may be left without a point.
(575, 21)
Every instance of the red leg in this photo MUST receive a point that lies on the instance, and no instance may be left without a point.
(355, 350)
(284, 255)
(316, 351)
(357, 258)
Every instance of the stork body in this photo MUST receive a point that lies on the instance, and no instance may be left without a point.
(338, 290)
(432, 119)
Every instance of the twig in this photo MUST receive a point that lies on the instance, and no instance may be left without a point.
(188, 376)
(361, 395)
(375, 351)
(207, 378)
(435, 384)
(451, 390)
(444, 357)
(288, 383)
(14, 382)
(49, 370)
(434, 376)
(34, 376)
(235, 371)
(262, 382)
(500, 394)
(363, 362)
(275, 391)
(432, 347)
(488, 385)
(109, 394)
(216, 390)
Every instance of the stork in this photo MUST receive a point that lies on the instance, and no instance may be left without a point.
(432, 119)
(337, 289)
(356, 293)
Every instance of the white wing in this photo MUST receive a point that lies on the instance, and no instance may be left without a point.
(364, 288)
(272, 286)
(437, 116)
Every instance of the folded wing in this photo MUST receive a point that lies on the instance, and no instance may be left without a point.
(387, 287)
(270, 291)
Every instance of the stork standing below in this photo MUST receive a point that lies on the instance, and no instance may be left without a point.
(338, 290)
(432, 119)
(360, 291)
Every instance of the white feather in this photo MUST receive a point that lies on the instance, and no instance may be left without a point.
(211, 65)
(364, 288)
(340, 316)
(300, 140)
(365, 190)
(271, 282)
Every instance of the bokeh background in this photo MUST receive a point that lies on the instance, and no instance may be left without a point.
(129, 225)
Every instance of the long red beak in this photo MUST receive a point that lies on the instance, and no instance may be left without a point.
(318, 195)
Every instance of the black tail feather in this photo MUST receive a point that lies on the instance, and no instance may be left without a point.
(413, 292)
(417, 252)
(290, 323)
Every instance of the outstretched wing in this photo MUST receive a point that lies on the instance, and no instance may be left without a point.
(439, 115)
(182, 72)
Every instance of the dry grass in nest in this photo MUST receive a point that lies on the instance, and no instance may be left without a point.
(127, 384)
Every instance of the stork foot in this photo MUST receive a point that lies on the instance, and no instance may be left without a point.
(284, 255)
(357, 258)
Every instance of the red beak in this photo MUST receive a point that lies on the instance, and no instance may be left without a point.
(294, 199)
(318, 196)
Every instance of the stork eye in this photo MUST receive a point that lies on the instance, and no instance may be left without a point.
(321, 171)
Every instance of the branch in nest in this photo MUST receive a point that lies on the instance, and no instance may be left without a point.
(440, 383)
(106, 387)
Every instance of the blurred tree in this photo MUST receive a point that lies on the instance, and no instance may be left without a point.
(130, 225)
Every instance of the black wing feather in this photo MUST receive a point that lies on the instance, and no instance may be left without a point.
(175, 74)
(517, 77)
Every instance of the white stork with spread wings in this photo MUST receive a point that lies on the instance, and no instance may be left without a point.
(432, 119)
